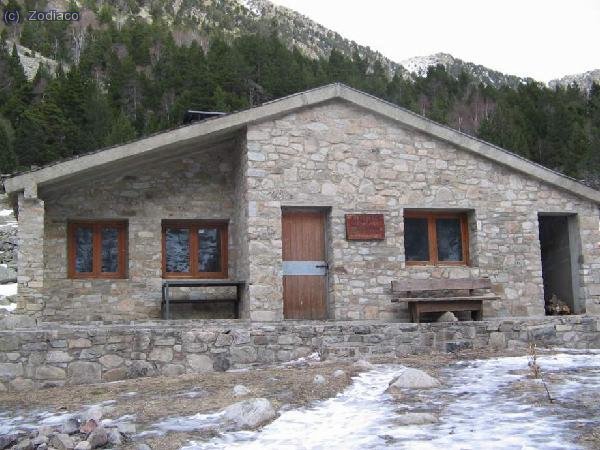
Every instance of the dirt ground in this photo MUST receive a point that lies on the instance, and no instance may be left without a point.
(155, 399)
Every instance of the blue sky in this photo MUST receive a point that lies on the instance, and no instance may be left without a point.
(542, 39)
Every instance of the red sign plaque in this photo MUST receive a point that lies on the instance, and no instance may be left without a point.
(365, 227)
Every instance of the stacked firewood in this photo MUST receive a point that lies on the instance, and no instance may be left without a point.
(556, 307)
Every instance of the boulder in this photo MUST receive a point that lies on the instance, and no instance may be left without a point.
(319, 379)
(89, 426)
(25, 444)
(71, 426)
(239, 390)
(363, 364)
(114, 437)
(249, 414)
(126, 428)
(83, 445)
(339, 373)
(44, 430)
(448, 316)
(7, 440)
(416, 419)
(98, 437)
(93, 413)
(143, 447)
(410, 378)
(62, 441)
(39, 440)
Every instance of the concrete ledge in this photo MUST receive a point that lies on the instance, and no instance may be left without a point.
(59, 354)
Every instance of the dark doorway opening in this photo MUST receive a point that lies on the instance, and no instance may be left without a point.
(560, 259)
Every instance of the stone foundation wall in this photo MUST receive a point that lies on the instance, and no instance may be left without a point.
(58, 355)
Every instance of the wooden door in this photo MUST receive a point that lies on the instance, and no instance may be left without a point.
(304, 265)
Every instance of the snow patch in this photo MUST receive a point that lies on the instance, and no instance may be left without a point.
(8, 289)
(251, 6)
(420, 64)
(197, 422)
(313, 357)
(477, 409)
(9, 307)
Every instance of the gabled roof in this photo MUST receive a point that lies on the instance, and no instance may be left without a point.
(212, 129)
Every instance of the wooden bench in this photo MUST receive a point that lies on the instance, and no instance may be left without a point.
(456, 302)
(167, 301)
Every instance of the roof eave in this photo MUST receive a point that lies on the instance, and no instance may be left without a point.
(238, 120)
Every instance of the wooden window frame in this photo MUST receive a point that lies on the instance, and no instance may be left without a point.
(193, 226)
(96, 226)
(431, 217)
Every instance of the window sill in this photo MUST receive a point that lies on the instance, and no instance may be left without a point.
(215, 276)
(439, 264)
(102, 277)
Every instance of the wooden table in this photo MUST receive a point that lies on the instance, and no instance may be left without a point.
(167, 300)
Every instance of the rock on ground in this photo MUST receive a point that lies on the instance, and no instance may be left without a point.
(62, 441)
(94, 413)
(71, 426)
(239, 390)
(114, 437)
(126, 428)
(416, 419)
(25, 444)
(448, 316)
(39, 440)
(83, 445)
(339, 373)
(88, 426)
(319, 379)
(7, 440)
(249, 414)
(410, 378)
(98, 437)
(363, 364)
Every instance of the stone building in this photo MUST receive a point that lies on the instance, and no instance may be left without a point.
(317, 201)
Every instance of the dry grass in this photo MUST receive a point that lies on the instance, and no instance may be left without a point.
(158, 398)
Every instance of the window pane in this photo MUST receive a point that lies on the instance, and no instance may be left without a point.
(110, 250)
(178, 250)
(449, 240)
(209, 250)
(416, 239)
(83, 250)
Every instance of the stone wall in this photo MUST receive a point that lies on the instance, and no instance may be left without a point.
(8, 240)
(30, 264)
(196, 186)
(334, 156)
(57, 355)
(339, 156)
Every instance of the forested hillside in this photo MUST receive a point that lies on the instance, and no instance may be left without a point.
(130, 77)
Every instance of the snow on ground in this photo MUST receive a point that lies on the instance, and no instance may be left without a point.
(488, 403)
(31, 420)
(477, 407)
(8, 289)
(313, 357)
(9, 307)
